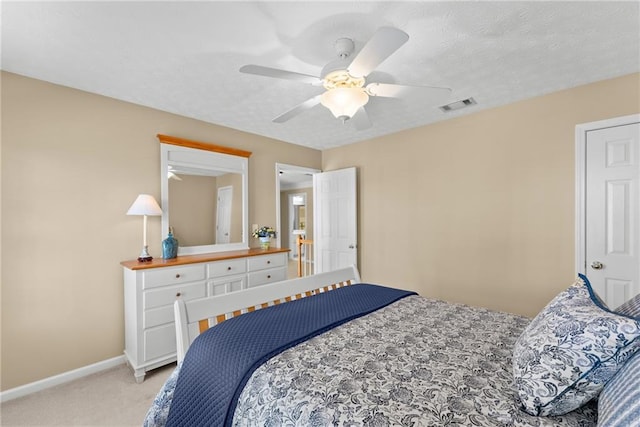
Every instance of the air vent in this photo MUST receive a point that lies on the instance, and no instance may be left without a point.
(458, 105)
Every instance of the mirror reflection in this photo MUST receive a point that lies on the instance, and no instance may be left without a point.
(206, 206)
(204, 190)
(299, 212)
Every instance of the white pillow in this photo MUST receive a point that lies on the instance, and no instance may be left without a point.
(570, 350)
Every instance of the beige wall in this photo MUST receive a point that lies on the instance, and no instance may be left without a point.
(72, 164)
(479, 209)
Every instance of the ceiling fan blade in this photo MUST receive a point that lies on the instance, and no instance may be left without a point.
(384, 42)
(361, 119)
(437, 94)
(300, 108)
(281, 74)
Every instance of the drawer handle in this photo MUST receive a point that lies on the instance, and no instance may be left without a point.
(178, 294)
(228, 268)
(268, 262)
(177, 275)
(269, 276)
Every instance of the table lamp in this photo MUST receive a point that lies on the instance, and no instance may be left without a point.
(144, 205)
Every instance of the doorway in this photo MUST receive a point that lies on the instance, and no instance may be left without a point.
(608, 207)
(291, 179)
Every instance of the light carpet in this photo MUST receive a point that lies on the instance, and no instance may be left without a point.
(109, 398)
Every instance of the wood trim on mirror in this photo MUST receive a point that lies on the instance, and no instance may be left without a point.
(174, 140)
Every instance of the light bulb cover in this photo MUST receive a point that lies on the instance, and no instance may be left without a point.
(344, 102)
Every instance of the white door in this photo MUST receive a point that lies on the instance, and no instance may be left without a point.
(612, 213)
(223, 215)
(335, 219)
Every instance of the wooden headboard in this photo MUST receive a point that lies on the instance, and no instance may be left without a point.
(195, 316)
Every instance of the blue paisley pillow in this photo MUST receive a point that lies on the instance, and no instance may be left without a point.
(570, 350)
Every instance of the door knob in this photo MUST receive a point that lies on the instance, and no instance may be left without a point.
(597, 265)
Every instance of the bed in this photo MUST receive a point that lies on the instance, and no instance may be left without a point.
(378, 356)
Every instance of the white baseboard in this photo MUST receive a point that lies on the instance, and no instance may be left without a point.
(65, 377)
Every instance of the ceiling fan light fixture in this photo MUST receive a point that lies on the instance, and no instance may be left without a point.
(344, 102)
(345, 79)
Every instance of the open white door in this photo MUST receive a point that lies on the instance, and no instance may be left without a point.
(335, 220)
(612, 211)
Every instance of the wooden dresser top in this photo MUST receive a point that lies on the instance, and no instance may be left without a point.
(192, 259)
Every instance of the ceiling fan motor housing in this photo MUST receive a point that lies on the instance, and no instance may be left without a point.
(345, 93)
(344, 48)
(339, 64)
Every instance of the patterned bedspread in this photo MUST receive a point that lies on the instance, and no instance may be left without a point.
(416, 362)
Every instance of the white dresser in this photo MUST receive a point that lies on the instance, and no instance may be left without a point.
(150, 290)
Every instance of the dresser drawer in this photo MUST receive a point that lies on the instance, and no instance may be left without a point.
(263, 277)
(156, 277)
(227, 267)
(167, 295)
(158, 308)
(224, 285)
(266, 261)
(159, 342)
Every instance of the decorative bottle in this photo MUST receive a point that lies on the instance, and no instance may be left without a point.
(170, 246)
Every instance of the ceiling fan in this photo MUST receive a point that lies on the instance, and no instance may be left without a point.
(345, 79)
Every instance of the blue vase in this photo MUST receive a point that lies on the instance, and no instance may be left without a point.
(170, 246)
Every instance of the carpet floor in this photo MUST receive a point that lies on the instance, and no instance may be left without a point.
(109, 398)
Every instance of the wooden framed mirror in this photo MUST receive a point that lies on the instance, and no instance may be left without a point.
(205, 195)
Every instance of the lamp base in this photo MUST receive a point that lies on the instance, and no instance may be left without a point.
(144, 255)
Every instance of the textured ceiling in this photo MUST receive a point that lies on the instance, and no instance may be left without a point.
(183, 57)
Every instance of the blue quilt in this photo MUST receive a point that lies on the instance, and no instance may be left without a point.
(221, 360)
